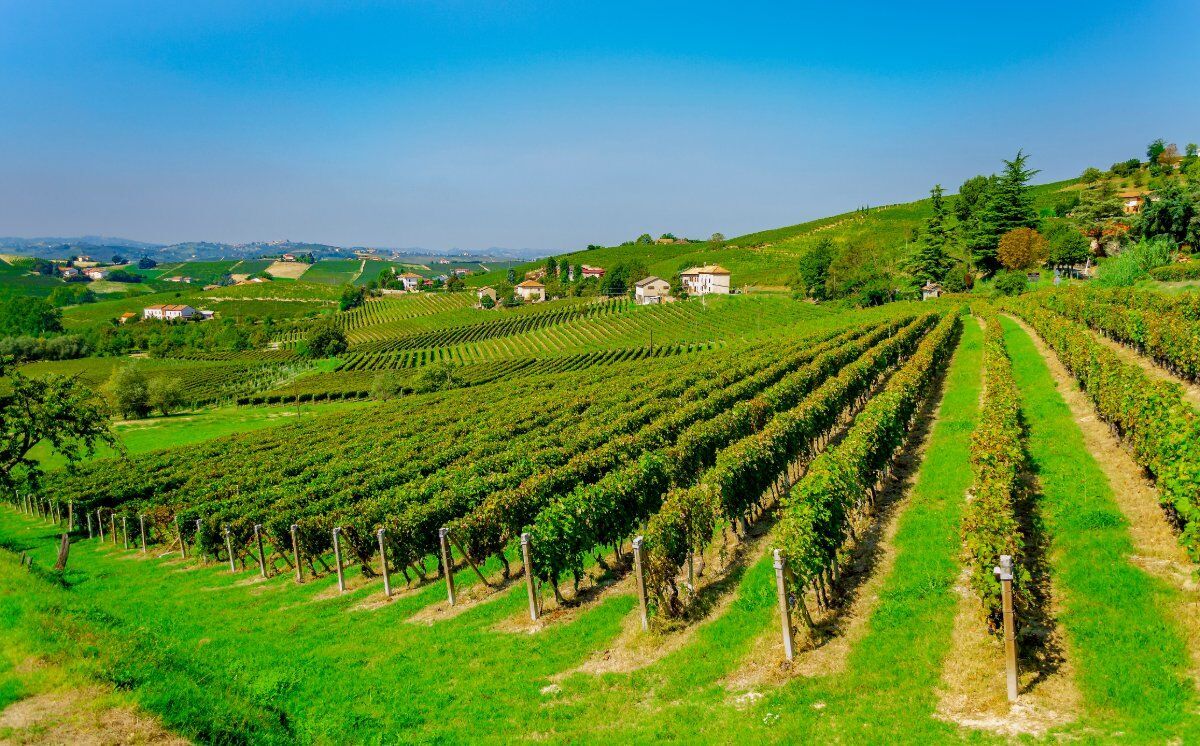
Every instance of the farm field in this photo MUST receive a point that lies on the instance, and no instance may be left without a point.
(897, 648)
(334, 271)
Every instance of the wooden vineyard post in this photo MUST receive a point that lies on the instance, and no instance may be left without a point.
(142, 530)
(197, 535)
(89, 523)
(447, 568)
(533, 604)
(125, 530)
(1005, 573)
(640, 571)
(785, 609)
(387, 579)
(71, 516)
(112, 526)
(229, 550)
(179, 535)
(262, 557)
(296, 554)
(337, 557)
(100, 524)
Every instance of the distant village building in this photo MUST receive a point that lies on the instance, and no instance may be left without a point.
(127, 316)
(288, 258)
(1131, 202)
(651, 291)
(488, 292)
(460, 272)
(589, 271)
(531, 290)
(931, 290)
(706, 280)
(411, 281)
(169, 312)
(68, 272)
(96, 273)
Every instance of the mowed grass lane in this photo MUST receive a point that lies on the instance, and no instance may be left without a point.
(1130, 659)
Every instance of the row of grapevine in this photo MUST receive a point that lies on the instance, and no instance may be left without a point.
(1170, 339)
(484, 514)
(503, 327)
(990, 525)
(1162, 430)
(612, 508)
(356, 361)
(841, 483)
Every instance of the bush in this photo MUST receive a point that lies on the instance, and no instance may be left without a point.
(1176, 272)
(129, 391)
(325, 340)
(436, 377)
(955, 281)
(1010, 283)
(1135, 263)
(387, 385)
(165, 395)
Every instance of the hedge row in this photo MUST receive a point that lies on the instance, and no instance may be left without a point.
(990, 526)
(842, 482)
(1161, 429)
(1176, 272)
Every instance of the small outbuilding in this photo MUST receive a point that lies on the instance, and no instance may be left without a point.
(485, 292)
(931, 290)
(531, 290)
(651, 291)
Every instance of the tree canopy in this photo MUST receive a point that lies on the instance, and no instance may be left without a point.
(932, 258)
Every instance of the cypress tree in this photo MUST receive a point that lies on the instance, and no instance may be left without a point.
(1009, 205)
(932, 258)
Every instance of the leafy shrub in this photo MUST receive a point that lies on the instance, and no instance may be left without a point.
(1010, 283)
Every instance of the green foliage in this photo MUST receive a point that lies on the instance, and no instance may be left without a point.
(326, 339)
(620, 279)
(24, 315)
(1162, 430)
(932, 259)
(1172, 212)
(129, 391)
(436, 377)
(165, 394)
(1067, 244)
(387, 385)
(71, 294)
(990, 525)
(1010, 283)
(1091, 175)
(1135, 263)
(813, 270)
(122, 275)
(54, 409)
(645, 238)
(1008, 205)
(352, 297)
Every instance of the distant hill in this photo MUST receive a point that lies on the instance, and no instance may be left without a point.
(768, 259)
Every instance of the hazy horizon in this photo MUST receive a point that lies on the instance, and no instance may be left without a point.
(545, 128)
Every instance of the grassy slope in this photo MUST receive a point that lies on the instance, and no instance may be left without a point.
(139, 436)
(229, 656)
(1130, 659)
(768, 258)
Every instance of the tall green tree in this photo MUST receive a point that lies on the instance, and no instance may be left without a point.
(932, 258)
(814, 268)
(55, 409)
(1009, 206)
(24, 315)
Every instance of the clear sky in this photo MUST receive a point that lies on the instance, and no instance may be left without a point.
(553, 125)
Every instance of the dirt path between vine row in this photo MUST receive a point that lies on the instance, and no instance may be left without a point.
(80, 716)
(1157, 548)
(1191, 392)
(862, 580)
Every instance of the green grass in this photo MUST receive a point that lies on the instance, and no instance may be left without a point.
(218, 658)
(1129, 658)
(140, 436)
(333, 271)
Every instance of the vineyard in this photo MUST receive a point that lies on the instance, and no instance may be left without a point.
(795, 502)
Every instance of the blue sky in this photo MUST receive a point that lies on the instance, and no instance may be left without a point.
(553, 125)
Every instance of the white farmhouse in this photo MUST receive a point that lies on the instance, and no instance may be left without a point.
(705, 280)
(488, 292)
(930, 291)
(412, 282)
(169, 312)
(652, 290)
(531, 290)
